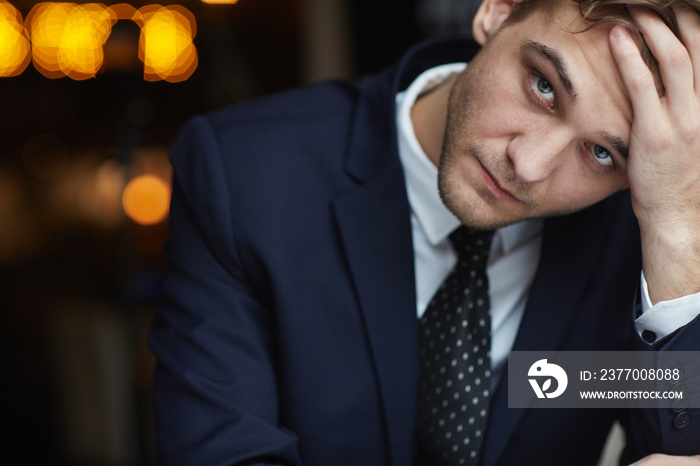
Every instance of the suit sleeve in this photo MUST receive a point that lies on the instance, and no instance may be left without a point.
(674, 427)
(215, 387)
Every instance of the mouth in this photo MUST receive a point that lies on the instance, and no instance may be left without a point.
(493, 185)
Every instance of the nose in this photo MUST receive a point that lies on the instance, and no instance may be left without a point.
(538, 151)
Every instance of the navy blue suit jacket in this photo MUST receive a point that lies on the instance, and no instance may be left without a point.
(288, 330)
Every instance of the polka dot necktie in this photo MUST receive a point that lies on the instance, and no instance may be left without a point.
(455, 362)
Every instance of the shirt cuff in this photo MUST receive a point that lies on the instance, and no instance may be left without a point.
(665, 317)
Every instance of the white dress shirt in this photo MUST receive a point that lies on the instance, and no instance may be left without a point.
(515, 251)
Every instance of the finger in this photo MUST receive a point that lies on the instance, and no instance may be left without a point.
(635, 74)
(666, 460)
(689, 25)
(674, 60)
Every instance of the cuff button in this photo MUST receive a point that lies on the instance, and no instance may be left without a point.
(681, 420)
(679, 405)
(648, 336)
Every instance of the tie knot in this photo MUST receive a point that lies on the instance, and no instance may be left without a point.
(470, 243)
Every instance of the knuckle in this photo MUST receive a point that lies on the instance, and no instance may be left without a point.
(678, 59)
(629, 53)
(642, 82)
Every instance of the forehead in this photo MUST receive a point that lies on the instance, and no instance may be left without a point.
(584, 53)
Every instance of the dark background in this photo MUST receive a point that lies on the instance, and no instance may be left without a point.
(79, 280)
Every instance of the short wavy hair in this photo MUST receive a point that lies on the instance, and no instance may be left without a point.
(599, 12)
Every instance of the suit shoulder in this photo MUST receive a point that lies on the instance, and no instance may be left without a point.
(272, 143)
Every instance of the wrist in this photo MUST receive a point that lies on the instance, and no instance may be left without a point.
(671, 261)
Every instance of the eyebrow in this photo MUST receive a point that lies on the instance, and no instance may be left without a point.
(618, 144)
(555, 59)
(552, 56)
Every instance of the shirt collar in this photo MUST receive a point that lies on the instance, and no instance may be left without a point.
(436, 221)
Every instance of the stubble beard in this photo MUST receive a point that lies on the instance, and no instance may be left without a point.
(470, 204)
(472, 208)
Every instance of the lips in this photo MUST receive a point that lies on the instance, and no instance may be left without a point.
(493, 186)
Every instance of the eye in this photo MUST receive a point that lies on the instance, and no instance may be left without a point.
(544, 87)
(602, 155)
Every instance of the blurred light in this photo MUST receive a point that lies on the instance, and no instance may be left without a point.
(104, 208)
(146, 199)
(220, 2)
(67, 38)
(165, 45)
(87, 192)
(14, 44)
(45, 156)
(123, 11)
(151, 161)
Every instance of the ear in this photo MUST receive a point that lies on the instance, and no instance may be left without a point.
(489, 18)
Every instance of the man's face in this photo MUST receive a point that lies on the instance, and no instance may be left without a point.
(537, 124)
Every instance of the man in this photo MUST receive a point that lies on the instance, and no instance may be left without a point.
(307, 232)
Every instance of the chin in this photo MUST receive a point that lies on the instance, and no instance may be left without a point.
(475, 213)
(471, 206)
(487, 223)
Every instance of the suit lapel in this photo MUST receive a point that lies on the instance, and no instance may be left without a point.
(374, 225)
(375, 230)
(569, 250)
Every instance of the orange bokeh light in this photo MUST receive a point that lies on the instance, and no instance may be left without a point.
(165, 45)
(67, 38)
(123, 11)
(146, 199)
(14, 44)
